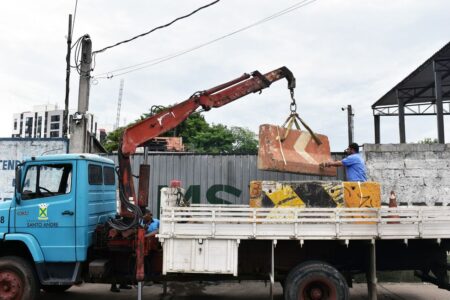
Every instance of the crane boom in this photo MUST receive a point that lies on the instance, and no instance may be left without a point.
(155, 125)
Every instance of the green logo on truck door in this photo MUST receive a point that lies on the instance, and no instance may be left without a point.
(43, 210)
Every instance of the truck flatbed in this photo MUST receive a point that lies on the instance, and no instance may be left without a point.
(242, 222)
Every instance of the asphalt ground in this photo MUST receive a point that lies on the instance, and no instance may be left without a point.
(242, 291)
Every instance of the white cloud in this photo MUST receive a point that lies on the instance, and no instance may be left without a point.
(342, 52)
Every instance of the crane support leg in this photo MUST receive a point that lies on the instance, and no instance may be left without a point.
(372, 272)
(272, 268)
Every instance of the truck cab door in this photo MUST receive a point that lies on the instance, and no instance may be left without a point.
(47, 208)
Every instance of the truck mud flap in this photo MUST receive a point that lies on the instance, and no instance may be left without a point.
(294, 151)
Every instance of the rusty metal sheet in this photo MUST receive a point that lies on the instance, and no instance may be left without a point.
(144, 183)
(298, 153)
(312, 193)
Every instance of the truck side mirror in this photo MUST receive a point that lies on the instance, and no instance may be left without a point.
(18, 183)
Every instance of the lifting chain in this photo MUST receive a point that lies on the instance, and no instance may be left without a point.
(293, 105)
(294, 119)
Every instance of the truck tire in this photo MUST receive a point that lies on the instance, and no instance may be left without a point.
(17, 279)
(315, 280)
(56, 288)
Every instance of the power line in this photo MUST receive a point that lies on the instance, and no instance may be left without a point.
(156, 28)
(74, 17)
(156, 61)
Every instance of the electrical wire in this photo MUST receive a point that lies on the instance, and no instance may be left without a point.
(156, 28)
(156, 61)
(74, 16)
(77, 54)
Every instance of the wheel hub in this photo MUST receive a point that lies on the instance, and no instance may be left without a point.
(316, 294)
(317, 288)
(10, 286)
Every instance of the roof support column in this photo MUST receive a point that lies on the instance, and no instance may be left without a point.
(376, 119)
(439, 105)
(401, 119)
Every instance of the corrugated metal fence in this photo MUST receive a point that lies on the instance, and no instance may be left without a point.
(216, 179)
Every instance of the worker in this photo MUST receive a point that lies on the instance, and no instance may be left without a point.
(152, 226)
(151, 223)
(353, 163)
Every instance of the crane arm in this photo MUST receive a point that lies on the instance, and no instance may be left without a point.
(155, 125)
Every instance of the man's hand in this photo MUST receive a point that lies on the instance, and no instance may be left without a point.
(325, 164)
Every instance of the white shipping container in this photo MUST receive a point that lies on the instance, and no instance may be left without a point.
(14, 150)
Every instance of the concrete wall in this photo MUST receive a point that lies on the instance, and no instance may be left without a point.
(13, 150)
(418, 173)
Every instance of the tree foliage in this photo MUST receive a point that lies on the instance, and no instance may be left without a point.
(428, 141)
(199, 136)
(245, 141)
(111, 143)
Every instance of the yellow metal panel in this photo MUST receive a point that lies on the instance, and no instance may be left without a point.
(362, 194)
(285, 196)
(336, 192)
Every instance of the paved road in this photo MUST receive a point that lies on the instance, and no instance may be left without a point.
(244, 291)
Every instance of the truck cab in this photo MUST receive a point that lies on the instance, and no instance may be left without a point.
(48, 228)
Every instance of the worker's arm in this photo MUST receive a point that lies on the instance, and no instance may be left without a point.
(153, 233)
(336, 163)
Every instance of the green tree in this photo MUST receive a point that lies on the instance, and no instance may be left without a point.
(215, 139)
(112, 140)
(245, 141)
(428, 141)
(189, 128)
(199, 136)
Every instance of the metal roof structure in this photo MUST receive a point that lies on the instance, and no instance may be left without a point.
(426, 91)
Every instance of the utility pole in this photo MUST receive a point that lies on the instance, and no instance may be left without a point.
(79, 138)
(66, 100)
(350, 116)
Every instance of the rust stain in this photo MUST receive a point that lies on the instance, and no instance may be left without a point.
(298, 153)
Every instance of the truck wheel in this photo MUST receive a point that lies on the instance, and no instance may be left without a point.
(56, 288)
(17, 279)
(315, 280)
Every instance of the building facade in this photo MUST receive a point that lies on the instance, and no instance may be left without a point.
(44, 121)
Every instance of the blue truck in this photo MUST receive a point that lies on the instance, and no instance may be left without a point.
(47, 230)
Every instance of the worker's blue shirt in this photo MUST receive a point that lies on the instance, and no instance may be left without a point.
(154, 225)
(355, 168)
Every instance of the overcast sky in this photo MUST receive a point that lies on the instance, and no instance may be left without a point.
(341, 52)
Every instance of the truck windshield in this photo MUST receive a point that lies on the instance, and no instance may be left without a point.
(47, 180)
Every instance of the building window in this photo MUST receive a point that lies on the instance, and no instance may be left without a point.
(39, 127)
(54, 126)
(45, 122)
(35, 124)
(54, 118)
(28, 126)
(54, 134)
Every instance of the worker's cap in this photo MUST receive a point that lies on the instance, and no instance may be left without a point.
(354, 146)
